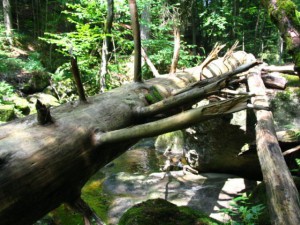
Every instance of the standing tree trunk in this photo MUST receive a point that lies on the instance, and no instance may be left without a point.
(106, 47)
(175, 58)
(8, 21)
(137, 41)
(284, 16)
(146, 20)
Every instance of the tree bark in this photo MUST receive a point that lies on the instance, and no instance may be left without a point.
(284, 16)
(8, 21)
(43, 166)
(289, 69)
(274, 81)
(283, 197)
(174, 64)
(77, 78)
(106, 47)
(137, 41)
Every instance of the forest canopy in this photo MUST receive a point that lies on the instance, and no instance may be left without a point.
(49, 29)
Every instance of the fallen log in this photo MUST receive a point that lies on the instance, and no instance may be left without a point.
(283, 197)
(274, 80)
(43, 166)
(288, 69)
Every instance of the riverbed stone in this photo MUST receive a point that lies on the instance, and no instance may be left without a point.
(207, 192)
(35, 81)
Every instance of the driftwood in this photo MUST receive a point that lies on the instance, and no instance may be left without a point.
(43, 166)
(274, 81)
(283, 197)
(287, 69)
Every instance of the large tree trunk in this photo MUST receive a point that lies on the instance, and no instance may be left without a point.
(43, 166)
(284, 16)
(283, 197)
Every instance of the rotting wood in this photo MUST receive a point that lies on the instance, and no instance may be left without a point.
(287, 69)
(283, 197)
(52, 163)
(274, 81)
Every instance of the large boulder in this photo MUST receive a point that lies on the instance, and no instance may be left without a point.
(34, 82)
(161, 212)
(21, 104)
(46, 99)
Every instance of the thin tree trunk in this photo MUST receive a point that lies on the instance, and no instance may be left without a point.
(137, 41)
(106, 47)
(146, 18)
(8, 21)
(175, 58)
(150, 64)
(77, 78)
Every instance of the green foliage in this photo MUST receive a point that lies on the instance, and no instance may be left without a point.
(285, 107)
(243, 212)
(85, 42)
(10, 65)
(297, 170)
(6, 90)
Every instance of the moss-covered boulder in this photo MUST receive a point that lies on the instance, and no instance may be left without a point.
(161, 212)
(20, 104)
(34, 82)
(7, 113)
(46, 99)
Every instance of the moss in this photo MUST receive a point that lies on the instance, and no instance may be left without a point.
(92, 194)
(154, 95)
(162, 212)
(290, 10)
(202, 218)
(6, 113)
(293, 81)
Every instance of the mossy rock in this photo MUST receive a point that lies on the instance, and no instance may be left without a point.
(161, 212)
(46, 99)
(37, 82)
(7, 112)
(21, 104)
